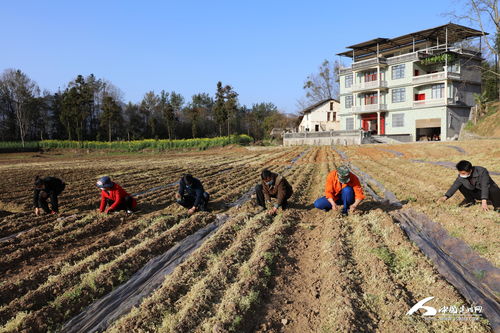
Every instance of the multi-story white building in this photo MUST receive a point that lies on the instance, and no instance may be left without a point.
(321, 117)
(411, 87)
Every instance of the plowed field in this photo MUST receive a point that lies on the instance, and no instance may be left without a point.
(302, 270)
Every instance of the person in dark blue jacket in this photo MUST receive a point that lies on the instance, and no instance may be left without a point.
(191, 194)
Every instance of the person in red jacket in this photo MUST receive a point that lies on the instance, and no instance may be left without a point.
(114, 196)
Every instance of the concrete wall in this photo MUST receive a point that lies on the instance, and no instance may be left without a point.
(323, 139)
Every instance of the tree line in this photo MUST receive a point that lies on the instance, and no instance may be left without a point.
(93, 109)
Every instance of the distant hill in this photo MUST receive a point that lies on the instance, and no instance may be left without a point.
(489, 124)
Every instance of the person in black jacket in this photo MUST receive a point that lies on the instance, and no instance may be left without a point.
(191, 194)
(475, 183)
(45, 188)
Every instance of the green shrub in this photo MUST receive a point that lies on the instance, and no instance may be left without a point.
(133, 146)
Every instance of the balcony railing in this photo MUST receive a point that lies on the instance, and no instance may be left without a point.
(369, 108)
(439, 76)
(345, 70)
(429, 102)
(403, 58)
(373, 62)
(369, 85)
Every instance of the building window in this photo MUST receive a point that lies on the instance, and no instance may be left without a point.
(398, 71)
(437, 91)
(334, 118)
(398, 120)
(328, 116)
(348, 81)
(349, 124)
(348, 102)
(398, 95)
(331, 106)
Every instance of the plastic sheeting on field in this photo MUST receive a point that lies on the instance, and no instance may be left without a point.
(103, 312)
(457, 148)
(394, 152)
(366, 180)
(100, 314)
(450, 165)
(473, 276)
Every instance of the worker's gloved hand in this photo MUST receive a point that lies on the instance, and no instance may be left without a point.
(192, 211)
(108, 211)
(53, 213)
(484, 205)
(37, 211)
(177, 196)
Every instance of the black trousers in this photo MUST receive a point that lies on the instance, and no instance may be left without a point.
(126, 204)
(187, 201)
(43, 197)
(261, 198)
(493, 195)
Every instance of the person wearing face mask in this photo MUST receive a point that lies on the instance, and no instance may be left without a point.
(475, 183)
(273, 185)
(342, 188)
(191, 194)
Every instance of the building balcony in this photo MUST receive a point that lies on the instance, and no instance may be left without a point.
(369, 63)
(370, 85)
(369, 108)
(345, 70)
(432, 102)
(409, 57)
(439, 76)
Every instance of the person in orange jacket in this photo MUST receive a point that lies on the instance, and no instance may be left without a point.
(114, 196)
(342, 188)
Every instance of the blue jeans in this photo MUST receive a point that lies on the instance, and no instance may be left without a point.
(346, 199)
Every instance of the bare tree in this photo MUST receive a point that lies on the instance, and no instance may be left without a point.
(324, 84)
(484, 14)
(18, 92)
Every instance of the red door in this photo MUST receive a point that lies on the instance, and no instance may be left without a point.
(382, 123)
(365, 124)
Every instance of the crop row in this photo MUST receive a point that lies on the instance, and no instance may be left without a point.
(212, 269)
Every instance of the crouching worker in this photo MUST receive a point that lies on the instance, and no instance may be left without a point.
(114, 197)
(342, 188)
(191, 194)
(273, 186)
(47, 188)
(475, 183)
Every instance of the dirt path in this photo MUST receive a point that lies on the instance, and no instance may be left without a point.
(350, 274)
(294, 304)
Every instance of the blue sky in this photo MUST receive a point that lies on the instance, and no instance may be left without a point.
(264, 49)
